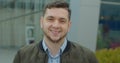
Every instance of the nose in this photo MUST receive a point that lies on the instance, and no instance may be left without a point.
(56, 24)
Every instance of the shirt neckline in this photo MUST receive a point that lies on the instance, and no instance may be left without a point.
(62, 48)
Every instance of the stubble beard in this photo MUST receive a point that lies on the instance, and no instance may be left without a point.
(55, 41)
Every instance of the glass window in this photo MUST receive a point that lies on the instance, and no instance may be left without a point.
(109, 25)
(112, 0)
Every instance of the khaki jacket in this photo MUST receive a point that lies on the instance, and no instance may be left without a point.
(73, 53)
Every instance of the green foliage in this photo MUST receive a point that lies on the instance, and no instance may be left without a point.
(108, 55)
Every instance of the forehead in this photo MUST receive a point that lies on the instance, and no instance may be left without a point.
(60, 12)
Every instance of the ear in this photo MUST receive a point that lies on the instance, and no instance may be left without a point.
(41, 22)
(69, 25)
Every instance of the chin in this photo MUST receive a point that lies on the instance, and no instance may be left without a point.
(55, 40)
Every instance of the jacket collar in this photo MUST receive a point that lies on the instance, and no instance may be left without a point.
(66, 49)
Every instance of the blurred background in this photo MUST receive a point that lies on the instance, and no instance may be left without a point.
(96, 25)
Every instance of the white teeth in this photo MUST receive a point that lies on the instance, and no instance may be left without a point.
(55, 32)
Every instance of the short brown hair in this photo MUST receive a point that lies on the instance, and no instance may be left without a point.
(58, 4)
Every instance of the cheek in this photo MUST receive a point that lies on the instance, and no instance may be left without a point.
(46, 25)
(66, 28)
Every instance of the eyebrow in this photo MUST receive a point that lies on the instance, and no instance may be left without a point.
(53, 17)
(50, 17)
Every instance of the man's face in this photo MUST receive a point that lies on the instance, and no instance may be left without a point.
(55, 24)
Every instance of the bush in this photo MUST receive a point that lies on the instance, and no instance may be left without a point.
(108, 55)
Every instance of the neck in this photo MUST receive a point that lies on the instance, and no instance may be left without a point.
(54, 47)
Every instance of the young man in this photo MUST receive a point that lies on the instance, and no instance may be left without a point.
(55, 48)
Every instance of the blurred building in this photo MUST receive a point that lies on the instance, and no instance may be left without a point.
(20, 22)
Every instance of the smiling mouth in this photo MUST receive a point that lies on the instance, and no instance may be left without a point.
(54, 32)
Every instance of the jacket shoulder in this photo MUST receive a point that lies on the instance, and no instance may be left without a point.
(87, 53)
(77, 46)
(28, 48)
(25, 53)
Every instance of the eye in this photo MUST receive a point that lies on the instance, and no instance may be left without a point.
(50, 19)
(62, 21)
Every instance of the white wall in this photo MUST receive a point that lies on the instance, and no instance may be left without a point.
(85, 16)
